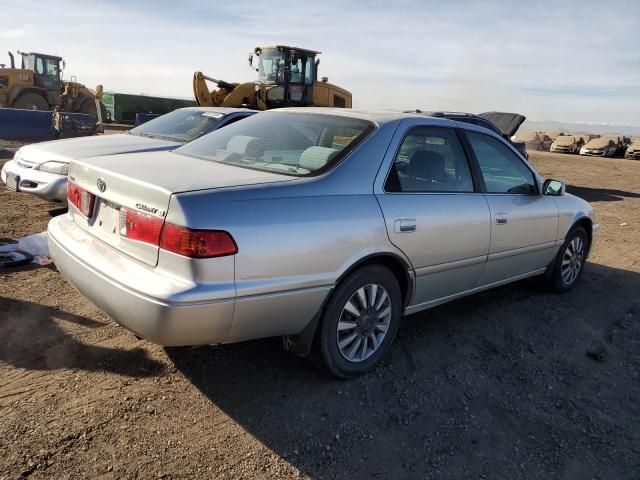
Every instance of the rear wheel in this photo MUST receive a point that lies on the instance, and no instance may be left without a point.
(359, 322)
(31, 101)
(570, 261)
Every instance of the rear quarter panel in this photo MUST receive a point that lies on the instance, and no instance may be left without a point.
(295, 242)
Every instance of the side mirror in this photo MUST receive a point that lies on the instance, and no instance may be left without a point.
(250, 60)
(553, 188)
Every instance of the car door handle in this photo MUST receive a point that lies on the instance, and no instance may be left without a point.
(501, 218)
(405, 225)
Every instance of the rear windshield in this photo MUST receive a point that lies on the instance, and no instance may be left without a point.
(179, 125)
(298, 144)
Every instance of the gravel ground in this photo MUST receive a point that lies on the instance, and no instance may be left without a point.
(511, 383)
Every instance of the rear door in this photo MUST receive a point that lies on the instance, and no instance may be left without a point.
(524, 223)
(432, 211)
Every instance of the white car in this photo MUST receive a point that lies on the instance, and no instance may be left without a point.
(41, 168)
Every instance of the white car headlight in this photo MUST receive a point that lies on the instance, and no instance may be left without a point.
(59, 168)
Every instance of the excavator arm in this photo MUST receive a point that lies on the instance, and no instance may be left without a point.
(206, 98)
(227, 94)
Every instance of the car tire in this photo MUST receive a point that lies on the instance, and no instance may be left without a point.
(31, 101)
(359, 322)
(569, 263)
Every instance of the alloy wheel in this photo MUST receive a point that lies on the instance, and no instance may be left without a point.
(572, 260)
(364, 322)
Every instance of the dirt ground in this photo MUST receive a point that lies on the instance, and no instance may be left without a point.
(511, 383)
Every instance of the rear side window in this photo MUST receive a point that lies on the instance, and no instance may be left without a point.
(39, 66)
(430, 159)
(298, 144)
(502, 170)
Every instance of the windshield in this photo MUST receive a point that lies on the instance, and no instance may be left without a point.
(179, 125)
(271, 66)
(299, 144)
(565, 140)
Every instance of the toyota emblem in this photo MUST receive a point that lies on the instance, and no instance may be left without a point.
(102, 185)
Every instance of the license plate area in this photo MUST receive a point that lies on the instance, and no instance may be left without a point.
(13, 181)
(107, 220)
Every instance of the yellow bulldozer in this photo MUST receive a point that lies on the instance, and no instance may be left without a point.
(38, 85)
(287, 77)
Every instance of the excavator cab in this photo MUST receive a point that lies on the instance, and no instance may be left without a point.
(287, 73)
(46, 70)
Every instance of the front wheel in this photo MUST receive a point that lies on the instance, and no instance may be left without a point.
(360, 322)
(570, 261)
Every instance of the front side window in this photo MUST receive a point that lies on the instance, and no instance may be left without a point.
(502, 170)
(271, 67)
(298, 144)
(179, 125)
(430, 159)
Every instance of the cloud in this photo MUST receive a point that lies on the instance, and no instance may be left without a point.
(562, 60)
(12, 33)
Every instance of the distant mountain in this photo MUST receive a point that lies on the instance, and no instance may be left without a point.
(601, 128)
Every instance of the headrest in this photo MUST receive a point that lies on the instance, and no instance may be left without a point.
(314, 158)
(238, 144)
(426, 164)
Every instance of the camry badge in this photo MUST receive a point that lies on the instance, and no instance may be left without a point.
(102, 185)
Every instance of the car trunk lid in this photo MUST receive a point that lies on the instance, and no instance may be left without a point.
(67, 149)
(144, 183)
(507, 123)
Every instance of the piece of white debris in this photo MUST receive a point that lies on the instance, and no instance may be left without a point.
(36, 244)
(623, 224)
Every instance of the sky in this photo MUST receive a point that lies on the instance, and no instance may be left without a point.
(549, 60)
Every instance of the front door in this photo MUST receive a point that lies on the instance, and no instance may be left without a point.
(524, 223)
(433, 213)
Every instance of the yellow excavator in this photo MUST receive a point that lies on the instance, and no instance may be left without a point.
(287, 77)
(38, 85)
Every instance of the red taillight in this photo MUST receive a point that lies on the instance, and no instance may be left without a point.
(140, 226)
(197, 243)
(82, 199)
(183, 241)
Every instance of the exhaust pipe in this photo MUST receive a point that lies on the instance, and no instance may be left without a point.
(13, 63)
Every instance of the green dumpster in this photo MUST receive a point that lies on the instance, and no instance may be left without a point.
(122, 107)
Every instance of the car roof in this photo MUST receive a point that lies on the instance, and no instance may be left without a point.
(377, 116)
(381, 117)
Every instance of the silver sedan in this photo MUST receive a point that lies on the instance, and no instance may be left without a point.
(321, 226)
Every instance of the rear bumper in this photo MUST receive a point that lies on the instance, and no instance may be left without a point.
(49, 186)
(632, 156)
(151, 304)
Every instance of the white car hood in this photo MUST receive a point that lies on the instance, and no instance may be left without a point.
(85, 147)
